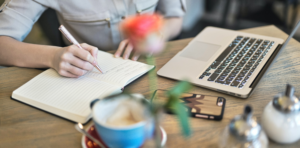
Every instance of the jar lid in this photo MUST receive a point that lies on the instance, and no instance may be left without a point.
(244, 127)
(287, 102)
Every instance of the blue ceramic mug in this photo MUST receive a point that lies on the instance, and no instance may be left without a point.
(116, 135)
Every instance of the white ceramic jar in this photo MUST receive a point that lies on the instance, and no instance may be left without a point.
(281, 117)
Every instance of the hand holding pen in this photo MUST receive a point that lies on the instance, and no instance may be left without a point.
(75, 60)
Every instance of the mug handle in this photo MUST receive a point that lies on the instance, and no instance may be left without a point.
(93, 102)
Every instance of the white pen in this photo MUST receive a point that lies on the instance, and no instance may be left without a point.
(67, 34)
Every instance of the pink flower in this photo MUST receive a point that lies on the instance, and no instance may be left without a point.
(143, 32)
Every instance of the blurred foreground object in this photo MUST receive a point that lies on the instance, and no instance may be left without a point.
(243, 132)
(281, 117)
(144, 33)
(123, 120)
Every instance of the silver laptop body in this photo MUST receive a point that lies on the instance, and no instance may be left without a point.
(224, 60)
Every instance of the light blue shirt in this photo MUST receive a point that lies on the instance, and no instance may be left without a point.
(95, 22)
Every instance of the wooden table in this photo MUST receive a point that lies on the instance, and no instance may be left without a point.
(25, 126)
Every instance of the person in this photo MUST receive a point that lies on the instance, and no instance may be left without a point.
(95, 22)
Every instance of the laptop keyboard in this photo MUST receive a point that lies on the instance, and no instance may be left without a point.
(238, 61)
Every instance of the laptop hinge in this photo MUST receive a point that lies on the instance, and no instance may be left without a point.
(265, 68)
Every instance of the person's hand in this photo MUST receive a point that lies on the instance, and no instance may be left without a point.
(73, 62)
(127, 47)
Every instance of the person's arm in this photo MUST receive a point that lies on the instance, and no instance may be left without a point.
(17, 19)
(68, 61)
(15, 53)
(171, 28)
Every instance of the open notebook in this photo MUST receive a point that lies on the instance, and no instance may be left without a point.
(70, 97)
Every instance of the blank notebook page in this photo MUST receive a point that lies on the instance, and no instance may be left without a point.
(60, 95)
(68, 94)
(117, 70)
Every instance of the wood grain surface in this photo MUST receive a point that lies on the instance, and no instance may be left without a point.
(25, 126)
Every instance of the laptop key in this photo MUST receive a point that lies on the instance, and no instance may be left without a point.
(215, 64)
(241, 75)
(239, 37)
(208, 74)
(254, 58)
(252, 49)
(235, 83)
(244, 71)
(218, 71)
(246, 78)
(237, 58)
(229, 79)
(250, 53)
(249, 74)
(234, 52)
(259, 60)
(251, 62)
(224, 74)
(235, 71)
(229, 58)
(235, 61)
(237, 68)
(239, 79)
(213, 77)
(247, 55)
(241, 86)
(245, 58)
(230, 67)
(220, 81)
(227, 61)
(249, 65)
(232, 64)
(244, 81)
(227, 82)
(221, 78)
(243, 52)
(246, 68)
(254, 66)
(227, 71)
(240, 55)
(232, 74)
(240, 65)
(243, 61)
(256, 55)
(225, 53)
(202, 76)
(224, 64)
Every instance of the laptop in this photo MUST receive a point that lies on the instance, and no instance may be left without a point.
(223, 60)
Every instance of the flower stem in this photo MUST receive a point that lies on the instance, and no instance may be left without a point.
(152, 74)
(153, 86)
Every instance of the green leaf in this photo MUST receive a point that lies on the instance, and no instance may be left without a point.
(176, 92)
(177, 107)
(183, 117)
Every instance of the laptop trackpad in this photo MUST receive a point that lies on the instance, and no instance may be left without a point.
(200, 51)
